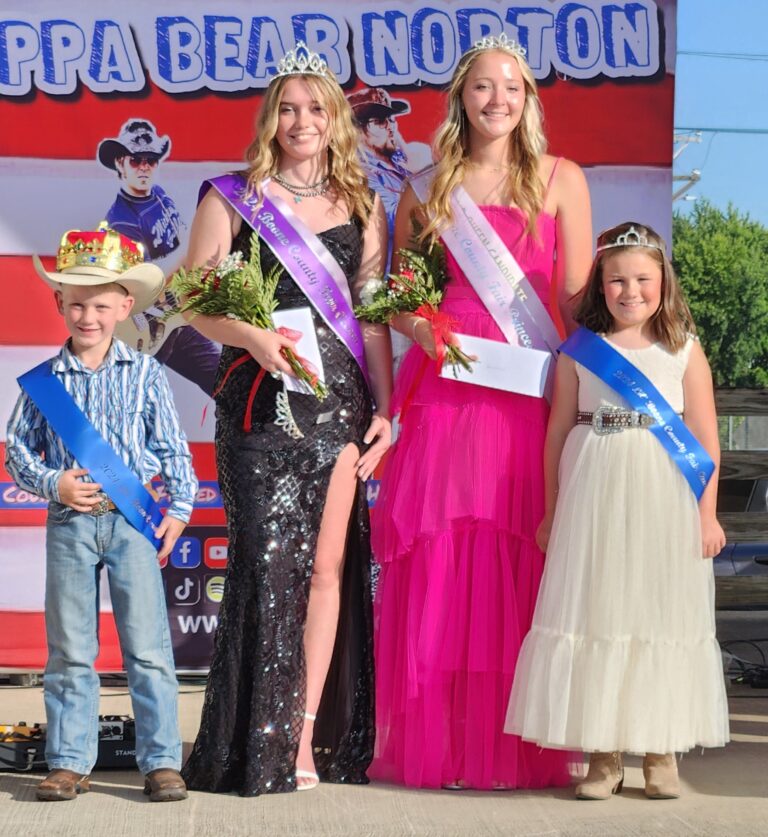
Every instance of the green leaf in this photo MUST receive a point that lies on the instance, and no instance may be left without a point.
(721, 259)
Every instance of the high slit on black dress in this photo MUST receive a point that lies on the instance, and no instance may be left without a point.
(274, 489)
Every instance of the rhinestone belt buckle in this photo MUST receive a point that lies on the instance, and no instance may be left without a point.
(102, 507)
(641, 419)
(598, 417)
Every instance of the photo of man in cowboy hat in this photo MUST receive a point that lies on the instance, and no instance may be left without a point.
(387, 160)
(386, 157)
(144, 212)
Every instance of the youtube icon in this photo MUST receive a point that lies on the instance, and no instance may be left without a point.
(215, 553)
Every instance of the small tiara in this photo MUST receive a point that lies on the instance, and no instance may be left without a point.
(499, 42)
(631, 238)
(301, 62)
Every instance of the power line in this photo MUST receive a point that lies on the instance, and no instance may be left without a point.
(732, 56)
(723, 130)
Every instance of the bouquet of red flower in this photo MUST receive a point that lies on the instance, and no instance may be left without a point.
(238, 289)
(416, 289)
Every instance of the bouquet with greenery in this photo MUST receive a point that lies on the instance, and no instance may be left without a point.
(416, 289)
(238, 289)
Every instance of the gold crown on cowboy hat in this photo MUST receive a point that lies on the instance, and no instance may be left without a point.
(89, 258)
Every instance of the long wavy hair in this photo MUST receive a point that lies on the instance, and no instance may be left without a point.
(671, 323)
(451, 147)
(345, 174)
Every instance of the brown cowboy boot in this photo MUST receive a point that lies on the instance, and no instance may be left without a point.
(604, 777)
(62, 784)
(661, 780)
(164, 785)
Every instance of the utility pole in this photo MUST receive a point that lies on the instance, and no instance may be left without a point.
(686, 140)
(689, 180)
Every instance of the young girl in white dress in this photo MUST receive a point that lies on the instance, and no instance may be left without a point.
(622, 654)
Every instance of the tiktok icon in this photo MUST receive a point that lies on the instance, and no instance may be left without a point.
(188, 592)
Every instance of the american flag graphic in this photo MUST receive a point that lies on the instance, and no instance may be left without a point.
(618, 129)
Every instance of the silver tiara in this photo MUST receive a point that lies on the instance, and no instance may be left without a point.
(301, 62)
(631, 238)
(499, 42)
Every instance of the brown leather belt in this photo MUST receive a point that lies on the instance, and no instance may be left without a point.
(613, 420)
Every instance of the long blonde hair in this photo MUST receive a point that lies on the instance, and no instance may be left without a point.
(671, 323)
(451, 146)
(345, 174)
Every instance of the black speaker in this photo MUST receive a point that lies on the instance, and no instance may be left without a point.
(22, 747)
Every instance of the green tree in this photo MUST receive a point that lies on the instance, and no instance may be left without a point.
(722, 261)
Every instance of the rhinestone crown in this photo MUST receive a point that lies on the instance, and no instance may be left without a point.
(631, 238)
(499, 42)
(300, 62)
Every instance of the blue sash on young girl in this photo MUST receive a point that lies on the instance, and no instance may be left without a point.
(302, 254)
(597, 355)
(91, 450)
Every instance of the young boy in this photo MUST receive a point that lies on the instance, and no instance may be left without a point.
(125, 397)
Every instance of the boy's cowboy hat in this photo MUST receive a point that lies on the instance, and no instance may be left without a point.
(137, 136)
(90, 258)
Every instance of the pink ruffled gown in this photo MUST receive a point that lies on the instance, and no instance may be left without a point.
(453, 529)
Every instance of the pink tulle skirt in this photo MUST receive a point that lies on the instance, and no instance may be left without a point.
(453, 529)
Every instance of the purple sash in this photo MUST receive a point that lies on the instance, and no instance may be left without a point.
(305, 258)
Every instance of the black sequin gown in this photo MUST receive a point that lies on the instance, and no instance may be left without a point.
(274, 489)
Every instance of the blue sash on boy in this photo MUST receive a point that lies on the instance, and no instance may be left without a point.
(91, 450)
(597, 355)
(493, 272)
(302, 254)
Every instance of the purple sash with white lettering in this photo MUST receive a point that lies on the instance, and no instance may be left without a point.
(305, 258)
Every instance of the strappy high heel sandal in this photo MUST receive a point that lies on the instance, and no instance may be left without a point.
(307, 774)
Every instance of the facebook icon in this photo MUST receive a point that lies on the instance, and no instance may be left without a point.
(186, 554)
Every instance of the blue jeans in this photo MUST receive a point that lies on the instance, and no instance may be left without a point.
(77, 546)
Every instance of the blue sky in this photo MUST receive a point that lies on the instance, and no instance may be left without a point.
(712, 92)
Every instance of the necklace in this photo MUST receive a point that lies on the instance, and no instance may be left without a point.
(494, 169)
(311, 190)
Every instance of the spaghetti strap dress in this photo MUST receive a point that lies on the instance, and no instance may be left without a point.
(274, 486)
(453, 529)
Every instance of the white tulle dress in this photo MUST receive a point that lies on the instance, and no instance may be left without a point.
(622, 653)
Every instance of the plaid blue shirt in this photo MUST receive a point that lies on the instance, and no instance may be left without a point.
(128, 400)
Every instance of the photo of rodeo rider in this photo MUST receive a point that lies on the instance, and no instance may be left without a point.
(144, 212)
(386, 157)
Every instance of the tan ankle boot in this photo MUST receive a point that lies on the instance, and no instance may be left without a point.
(604, 777)
(660, 772)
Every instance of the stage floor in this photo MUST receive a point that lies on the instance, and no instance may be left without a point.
(725, 792)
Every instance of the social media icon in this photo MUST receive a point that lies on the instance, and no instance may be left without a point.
(372, 492)
(186, 554)
(214, 588)
(215, 553)
(188, 592)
